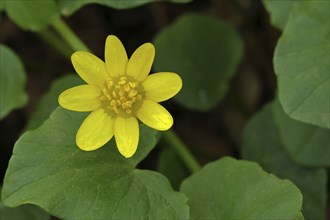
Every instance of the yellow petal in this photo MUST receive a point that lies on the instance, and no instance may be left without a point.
(115, 56)
(95, 131)
(89, 67)
(162, 86)
(127, 135)
(80, 98)
(154, 115)
(141, 61)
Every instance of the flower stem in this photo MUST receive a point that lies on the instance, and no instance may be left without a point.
(173, 140)
(69, 36)
(56, 43)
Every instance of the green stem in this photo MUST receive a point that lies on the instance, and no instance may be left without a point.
(56, 43)
(69, 36)
(173, 140)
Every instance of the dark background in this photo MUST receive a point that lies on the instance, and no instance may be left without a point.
(219, 130)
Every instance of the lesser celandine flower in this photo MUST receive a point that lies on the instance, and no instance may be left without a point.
(118, 92)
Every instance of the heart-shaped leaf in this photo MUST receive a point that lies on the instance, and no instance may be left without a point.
(205, 52)
(262, 143)
(232, 189)
(302, 65)
(48, 170)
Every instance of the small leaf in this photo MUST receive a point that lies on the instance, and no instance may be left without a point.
(279, 11)
(171, 166)
(302, 65)
(232, 189)
(262, 143)
(13, 79)
(68, 7)
(205, 52)
(32, 15)
(47, 169)
(48, 102)
(307, 144)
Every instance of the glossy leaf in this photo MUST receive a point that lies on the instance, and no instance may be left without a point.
(262, 144)
(49, 101)
(302, 65)
(279, 11)
(306, 144)
(170, 165)
(68, 7)
(205, 52)
(233, 189)
(48, 170)
(32, 15)
(12, 81)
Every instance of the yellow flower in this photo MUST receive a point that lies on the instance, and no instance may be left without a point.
(118, 92)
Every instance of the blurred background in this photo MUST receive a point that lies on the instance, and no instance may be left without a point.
(209, 135)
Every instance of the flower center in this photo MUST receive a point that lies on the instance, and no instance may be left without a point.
(121, 94)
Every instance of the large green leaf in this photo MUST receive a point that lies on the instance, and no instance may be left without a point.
(68, 7)
(302, 66)
(32, 15)
(232, 189)
(12, 80)
(48, 102)
(262, 144)
(48, 170)
(279, 11)
(205, 52)
(306, 144)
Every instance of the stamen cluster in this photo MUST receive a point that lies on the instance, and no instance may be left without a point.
(120, 94)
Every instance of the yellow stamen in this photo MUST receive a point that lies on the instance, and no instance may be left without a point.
(132, 93)
(119, 95)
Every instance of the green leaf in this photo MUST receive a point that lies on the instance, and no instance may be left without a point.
(302, 66)
(68, 7)
(48, 102)
(2, 7)
(233, 189)
(307, 144)
(262, 143)
(205, 52)
(47, 169)
(24, 212)
(171, 166)
(32, 15)
(279, 11)
(13, 77)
